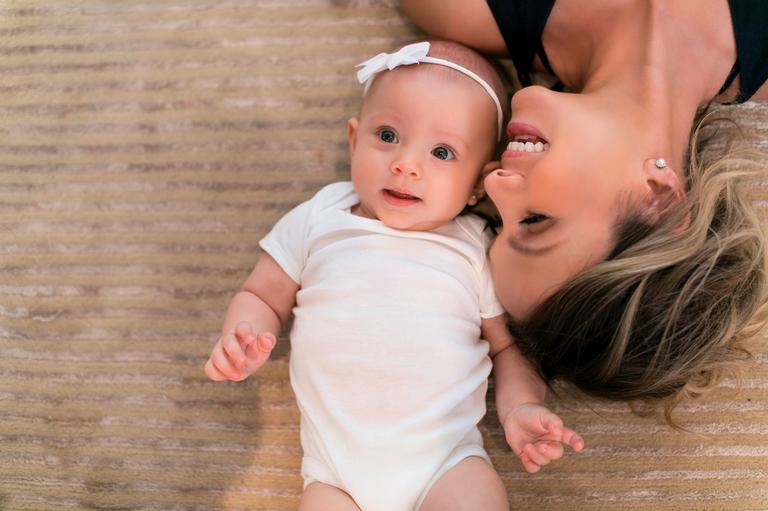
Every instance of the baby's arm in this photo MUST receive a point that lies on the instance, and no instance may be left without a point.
(252, 323)
(534, 433)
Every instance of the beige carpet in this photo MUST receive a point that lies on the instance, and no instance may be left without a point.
(146, 147)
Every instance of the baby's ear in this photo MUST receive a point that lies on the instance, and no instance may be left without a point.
(478, 192)
(352, 125)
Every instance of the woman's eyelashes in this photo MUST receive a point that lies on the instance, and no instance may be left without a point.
(533, 218)
(536, 223)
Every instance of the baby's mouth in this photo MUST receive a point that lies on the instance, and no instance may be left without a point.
(399, 197)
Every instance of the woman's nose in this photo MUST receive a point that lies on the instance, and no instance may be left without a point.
(532, 96)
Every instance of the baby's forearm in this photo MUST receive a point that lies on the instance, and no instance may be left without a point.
(248, 307)
(515, 381)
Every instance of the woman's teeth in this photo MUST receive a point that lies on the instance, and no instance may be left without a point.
(527, 147)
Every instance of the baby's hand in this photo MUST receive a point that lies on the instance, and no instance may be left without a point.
(537, 436)
(238, 354)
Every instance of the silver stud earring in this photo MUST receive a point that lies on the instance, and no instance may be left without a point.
(660, 163)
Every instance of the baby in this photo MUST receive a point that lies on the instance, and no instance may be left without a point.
(396, 325)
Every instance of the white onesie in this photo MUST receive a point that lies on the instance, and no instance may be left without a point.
(387, 364)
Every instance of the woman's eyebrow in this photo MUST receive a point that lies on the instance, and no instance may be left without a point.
(524, 249)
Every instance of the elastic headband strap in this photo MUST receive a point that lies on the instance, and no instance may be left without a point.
(415, 54)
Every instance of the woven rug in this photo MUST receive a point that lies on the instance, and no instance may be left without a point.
(146, 148)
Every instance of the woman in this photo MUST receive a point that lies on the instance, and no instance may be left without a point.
(631, 263)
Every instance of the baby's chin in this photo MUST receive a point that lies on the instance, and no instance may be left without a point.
(414, 217)
(413, 225)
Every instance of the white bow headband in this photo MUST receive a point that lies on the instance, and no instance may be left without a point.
(415, 54)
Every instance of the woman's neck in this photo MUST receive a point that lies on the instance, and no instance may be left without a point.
(692, 37)
(660, 61)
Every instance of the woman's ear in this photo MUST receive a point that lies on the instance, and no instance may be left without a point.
(663, 190)
(478, 192)
(352, 125)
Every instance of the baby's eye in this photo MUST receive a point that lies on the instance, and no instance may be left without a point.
(443, 153)
(388, 136)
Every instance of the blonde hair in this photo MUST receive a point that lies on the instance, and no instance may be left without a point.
(670, 313)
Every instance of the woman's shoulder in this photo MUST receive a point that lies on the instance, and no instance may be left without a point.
(469, 22)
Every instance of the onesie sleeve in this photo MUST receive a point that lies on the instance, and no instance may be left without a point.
(287, 241)
(290, 240)
(489, 303)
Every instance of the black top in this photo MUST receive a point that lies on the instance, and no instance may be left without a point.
(522, 22)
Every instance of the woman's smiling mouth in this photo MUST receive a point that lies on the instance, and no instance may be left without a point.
(524, 139)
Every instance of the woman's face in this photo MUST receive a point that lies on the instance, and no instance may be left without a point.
(559, 206)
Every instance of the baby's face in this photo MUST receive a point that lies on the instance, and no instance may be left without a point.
(419, 147)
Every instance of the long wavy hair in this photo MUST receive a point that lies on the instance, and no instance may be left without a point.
(669, 314)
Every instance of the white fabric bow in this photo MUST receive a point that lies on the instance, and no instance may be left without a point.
(405, 56)
(414, 54)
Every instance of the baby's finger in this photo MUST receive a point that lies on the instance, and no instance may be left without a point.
(573, 439)
(536, 457)
(552, 450)
(244, 332)
(212, 373)
(222, 363)
(553, 424)
(528, 465)
(266, 342)
(234, 350)
(259, 350)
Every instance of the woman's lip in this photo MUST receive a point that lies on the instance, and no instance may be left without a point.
(514, 154)
(515, 129)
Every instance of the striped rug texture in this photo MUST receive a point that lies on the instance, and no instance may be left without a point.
(146, 147)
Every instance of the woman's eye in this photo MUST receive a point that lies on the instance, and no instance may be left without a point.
(443, 153)
(536, 223)
(533, 218)
(388, 136)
